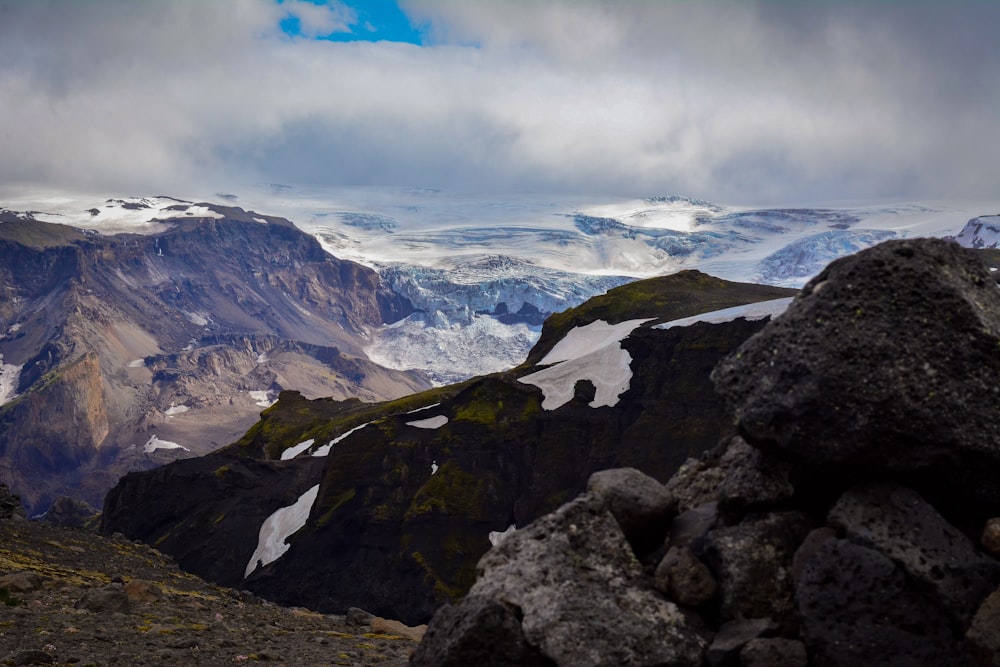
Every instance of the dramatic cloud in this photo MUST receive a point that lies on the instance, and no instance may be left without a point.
(737, 102)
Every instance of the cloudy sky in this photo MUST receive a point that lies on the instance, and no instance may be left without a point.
(737, 102)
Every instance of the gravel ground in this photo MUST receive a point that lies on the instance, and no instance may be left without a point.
(72, 597)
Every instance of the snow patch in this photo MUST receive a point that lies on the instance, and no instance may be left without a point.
(751, 311)
(155, 443)
(426, 407)
(262, 398)
(277, 528)
(175, 410)
(262, 358)
(137, 363)
(434, 467)
(325, 449)
(196, 319)
(9, 377)
(583, 340)
(295, 450)
(14, 328)
(498, 536)
(430, 422)
(609, 369)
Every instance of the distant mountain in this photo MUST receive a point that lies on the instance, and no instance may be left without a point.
(982, 232)
(388, 506)
(119, 352)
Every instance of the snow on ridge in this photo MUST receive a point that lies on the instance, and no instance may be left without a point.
(175, 410)
(750, 311)
(295, 450)
(981, 232)
(325, 449)
(9, 377)
(592, 352)
(155, 443)
(262, 398)
(137, 363)
(429, 423)
(278, 527)
(498, 536)
(588, 338)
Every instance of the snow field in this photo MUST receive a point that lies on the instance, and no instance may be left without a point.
(278, 527)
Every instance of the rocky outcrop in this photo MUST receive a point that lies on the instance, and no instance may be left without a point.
(114, 347)
(831, 556)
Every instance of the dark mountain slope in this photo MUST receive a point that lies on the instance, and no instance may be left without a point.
(128, 343)
(406, 502)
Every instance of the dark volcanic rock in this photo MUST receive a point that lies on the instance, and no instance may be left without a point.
(10, 505)
(67, 511)
(857, 608)
(579, 587)
(480, 631)
(640, 504)
(886, 361)
(111, 599)
(902, 526)
(685, 579)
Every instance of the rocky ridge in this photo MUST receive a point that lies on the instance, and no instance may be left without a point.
(72, 597)
(786, 545)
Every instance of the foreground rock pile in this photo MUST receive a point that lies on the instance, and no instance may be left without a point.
(72, 597)
(847, 524)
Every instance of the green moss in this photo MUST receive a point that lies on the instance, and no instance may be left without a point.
(221, 471)
(452, 491)
(480, 411)
(337, 502)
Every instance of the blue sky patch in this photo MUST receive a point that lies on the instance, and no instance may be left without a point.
(376, 21)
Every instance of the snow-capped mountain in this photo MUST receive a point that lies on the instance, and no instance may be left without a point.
(483, 271)
(981, 232)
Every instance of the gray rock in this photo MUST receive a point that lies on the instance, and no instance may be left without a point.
(684, 579)
(357, 616)
(10, 505)
(29, 657)
(857, 608)
(641, 505)
(582, 593)
(774, 652)
(693, 524)
(736, 476)
(888, 360)
(899, 524)
(752, 564)
(732, 636)
(479, 631)
(809, 545)
(70, 512)
(104, 600)
(990, 538)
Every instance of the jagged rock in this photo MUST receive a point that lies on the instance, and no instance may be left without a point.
(693, 524)
(358, 616)
(990, 538)
(857, 608)
(735, 475)
(732, 636)
(774, 652)
(10, 505)
(900, 525)
(752, 563)
(21, 582)
(29, 657)
(809, 545)
(580, 589)
(983, 635)
(684, 579)
(479, 631)
(110, 599)
(640, 504)
(67, 511)
(887, 360)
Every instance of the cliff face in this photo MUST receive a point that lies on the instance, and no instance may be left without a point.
(123, 352)
(411, 489)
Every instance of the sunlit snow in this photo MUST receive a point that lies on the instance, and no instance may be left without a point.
(429, 423)
(175, 410)
(9, 377)
(262, 398)
(155, 443)
(751, 311)
(325, 449)
(137, 363)
(294, 451)
(498, 536)
(434, 467)
(278, 527)
(196, 319)
(589, 338)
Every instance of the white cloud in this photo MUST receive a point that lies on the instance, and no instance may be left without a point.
(320, 20)
(736, 102)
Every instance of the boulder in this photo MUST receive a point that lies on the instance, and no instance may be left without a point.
(886, 361)
(752, 564)
(21, 582)
(983, 635)
(693, 524)
(990, 539)
(735, 475)
(479, 631)
(140, 590)
(857, 608)
(899, 524)
(110, 599)
(685, 579)
(641, 505)
(69, 512)
(726, 646)
(582, 593)
(774, 652)
(10, 505)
